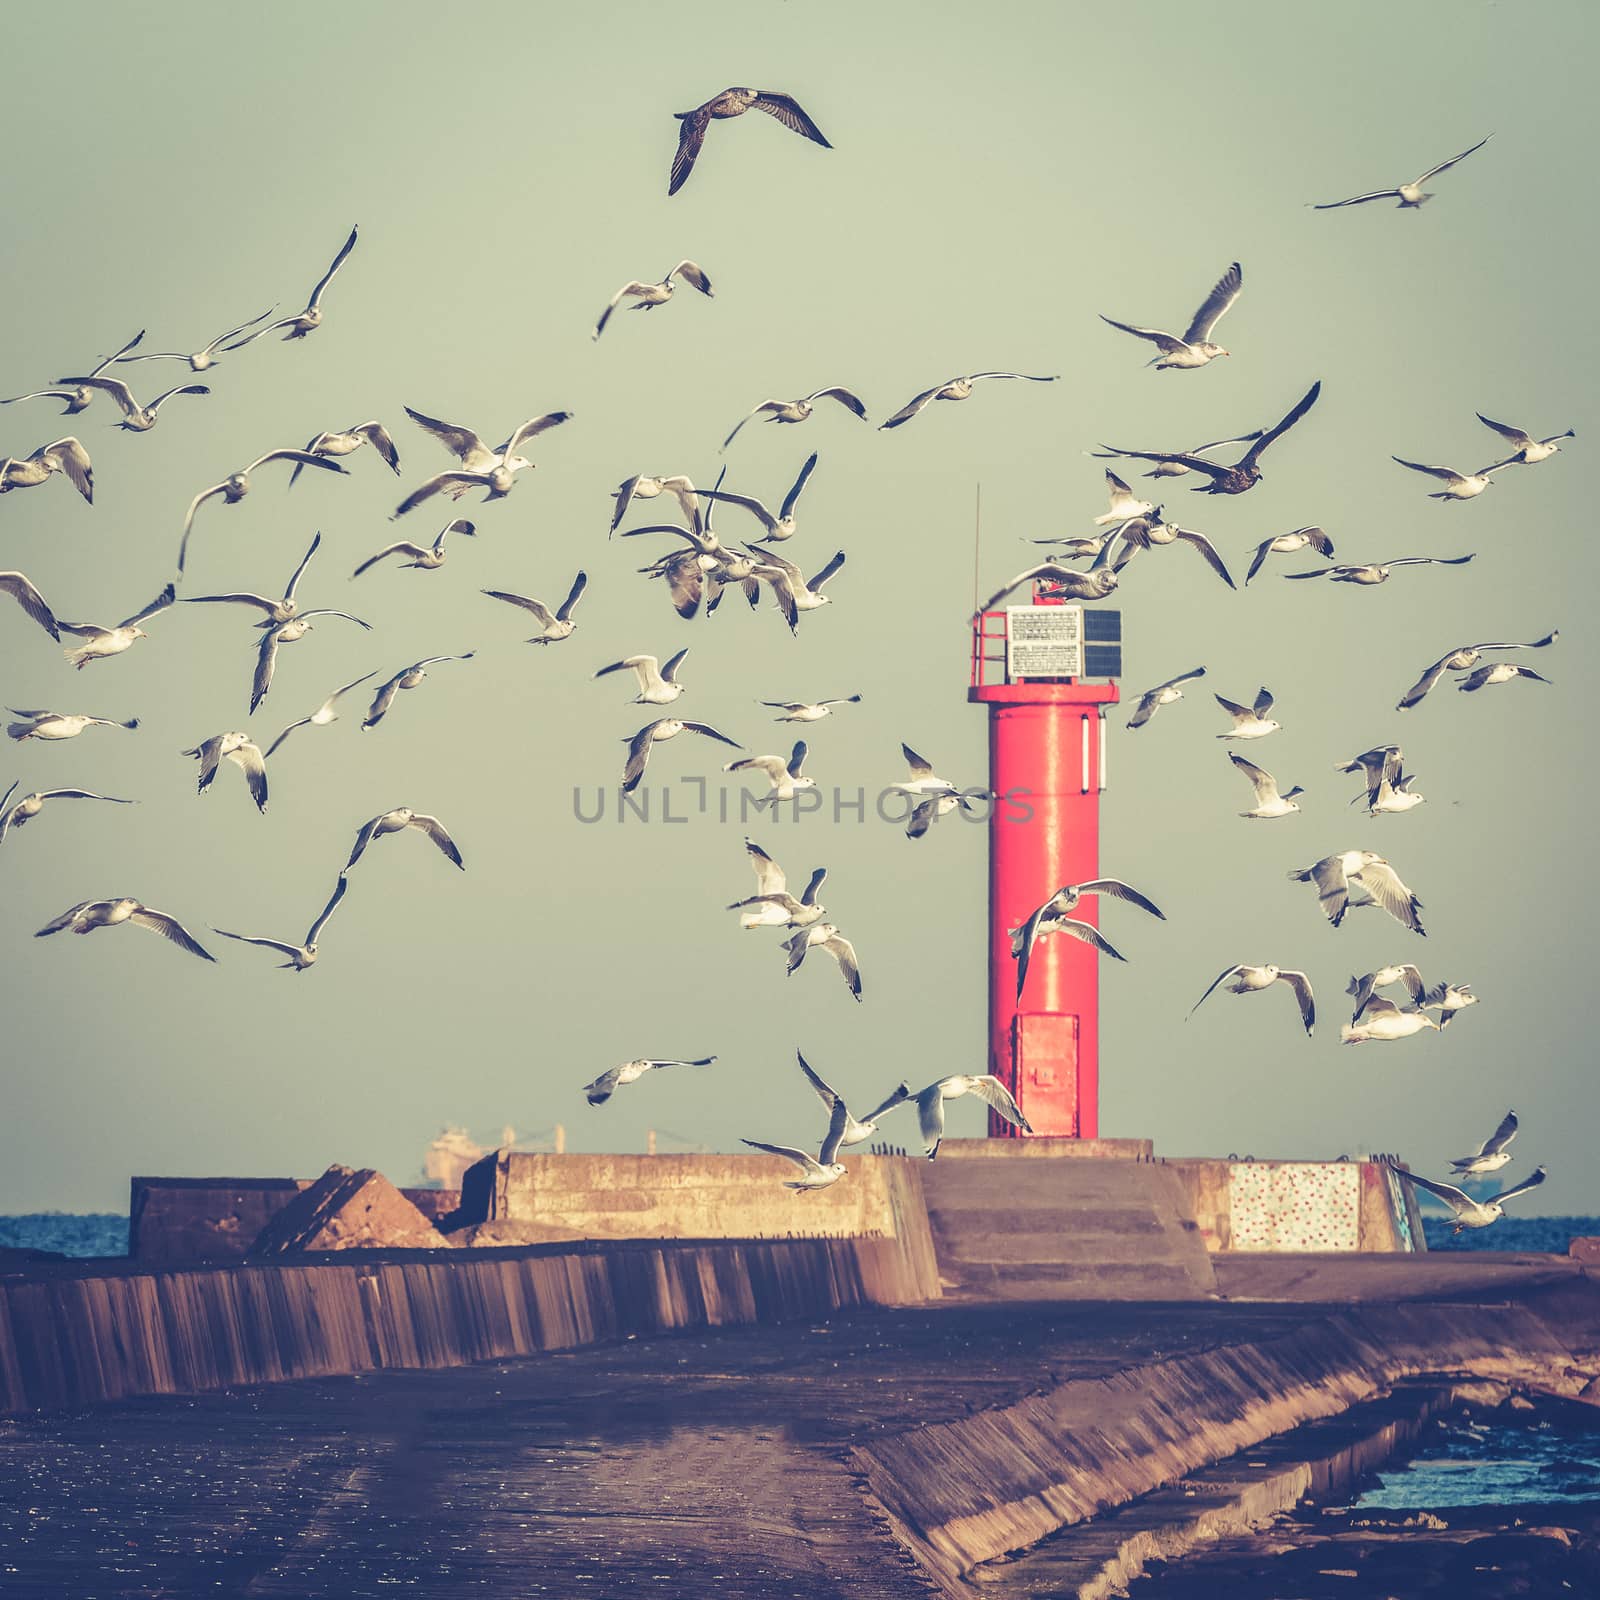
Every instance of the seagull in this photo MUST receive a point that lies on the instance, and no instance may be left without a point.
(199, 360)
(641, 487)
(799, 410)
(1249, 722)
(1470, 1213)
(88, 915)
(1382, 775)
(30, 805)
(1383, 1022)
(59, 725)
(1393, 794)
(101, 642)
(854, 1132)
(808, 710)
(236, 486)
(1365, 987)
(135, 417)
(954, 389)
(301, 956)
(1491, 1155)
(1376, 572)
(658, 685)
(1269, 801)
(1246, 472)
(31, 601)
(1051, 918)
(1447, 999)
(1164, 694)
(783, 775)
(987, 1087)
(290, 632)
(82, 397)
(837, 946)
(66, 456)
(774, 906)
(427, 557)
(1527, 452)
(1333, 874)
(557, 625)
(734, 103)
(350, 440)
(309, 320)
(824, 1168)
(608, 1083)
(395, 821)
(1096, 584)
(1410, 195)
(242, 751)
(779, 527)
(1461, 659)
(1457, 485)
(323, 715)
(651, 295)
(493, 470)
(794, 591)
(1286, 544)
(1495, 673)
(275, 612)
(1174, 468)
(1195, 348)
(1251, 980)
(1124, 502)
(407, 678)
(935, 796)
(1150, 533)
(653, 733)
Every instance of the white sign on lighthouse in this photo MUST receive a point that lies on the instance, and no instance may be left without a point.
(1044, 642)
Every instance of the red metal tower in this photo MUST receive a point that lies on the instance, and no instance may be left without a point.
(1047, 769)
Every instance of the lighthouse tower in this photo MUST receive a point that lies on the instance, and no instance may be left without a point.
(1035, 667)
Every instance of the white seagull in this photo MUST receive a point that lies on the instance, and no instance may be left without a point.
(236, 486)
(396, 821)
(954, 389)
(808, 710)
(658, 732)
(323, 715)
(407, 678)
(1175, 468)
(290, 632)
(1052, 917)
(1470, 1213)
(1447, 999)
(1333, 875)
(1527, 450)
(837, 946)
(1164, 694)
(243, 752)
(1286, 544)
(25, 809)
(66, 456)
(1410, 195)
(1195, 348)
(855, 1131)
(32, 602)
(987, 1087)
(607, 1084)
(554, 625)
(818, 1171)
(88, 915)
(1252, 721)
(734, 103)
(1457, 485)
(199, 360)
(348, 440)
(1498, 672)
(100, 642)
(301, 956)
(1154, 532)
(1492, 1154)
(428, 558)
(59, 725)
(651, 295)
(642, 487)
(309, 320)
(1252, 980)
(1383, 1022)
(784, 775)
(274, 612)
(1270, 802)
(494, 470)
(1125, 504)
(658, 685)
(774, 906)
(1462, 659)
(135, 417)
(1372, 573)
(779, 527)
(799, 410)
(794, 591)
(1364, 988)
(1064, 583)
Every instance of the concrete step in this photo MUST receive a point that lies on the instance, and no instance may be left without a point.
(1083, 1249)
(1032, 1281)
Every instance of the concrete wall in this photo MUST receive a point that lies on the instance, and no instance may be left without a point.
(71, 1336)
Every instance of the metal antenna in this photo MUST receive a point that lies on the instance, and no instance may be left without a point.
(977, 537)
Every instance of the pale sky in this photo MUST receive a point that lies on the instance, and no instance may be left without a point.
(999, 175)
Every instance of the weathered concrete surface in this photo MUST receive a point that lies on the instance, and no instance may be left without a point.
(1346, 1279)
(346, 1210)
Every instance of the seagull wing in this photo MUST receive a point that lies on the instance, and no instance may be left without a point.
(266, 664)
(79, 794)
(792, 499)
(327, 277)
(1208, 551)
(181, 388)
(1384, 885)
(1089, 934)
(834, 1137)
(460, 442)
(247, 757)
(775, 767)
(930, 1117)
(851, 402)
(766, 405)
(770, 877)
(844, 953)
(170, 928)
(1217, 305)
(693, 273)
(1149, 704)
(1458, 1200)
(1119, 890)
(441, 480)
(638, 757)
(533, 427)
(1444, 166)
(160, 603)
(1301, 985)
(911, 408)
(748, 502)
(72, 459)
(1303, 405)
(1501, 1137)
(814, 883)
(603, 1087)
(624, 492)
(1265, 785)
(401, 547)
(711, 733)
(31, 601)
(829, 1097)
(1358, 199)
(787, 110)
(691, 136)
(800, 1157)
(988, 1087)
(1166, 343)
(1419, 690)
(632, 286)
(1532, 1181)
(1222, 977)
(329, 909)
(1413, 982)
(1333, 887)
(1517, 437)
(1263, 703)
(832, 566)
(268, 944)
(574, 594)
(436, 831)
(920, 767)
(669, 673)
(1443, 473)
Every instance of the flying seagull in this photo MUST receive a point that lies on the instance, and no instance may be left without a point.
(82, 397)
(774, 906)
(930, 1104)
(428, 557)
(348, 440)
(808, 710)
(818, 1171)
(236, 486)
(1164, 694)
(657, 732)
(954, 389)
(799, 410)
(1123, 501)
(309, 320)
(1457, 485)
(66, 456)
(396, 821)
(301, 956)
(274, 612)
(32, 602)
(782, 773)
(1286, 544)
(793, 590)
(59, 725)
(1174, 467)
(643, 487)
(88, 915)
(407, 678)
(1495, 673)
(855, 1132)
(1270, 802)
(658, 685)
(1383, 1022)
(242, 751)
(1470, 1213)
(555, 625)
(1526, 450)
(837, 946)
(323, 715)
(1195, 348)
(1462, 659)
(1065, 583)
(494, 470)
(199, 360)
(651, 295)
(1410, 195)
(607, 1084)
(290, 632)
(1447, 999)
(1152, 533)
(1052, 917)
(100, 642)
(1364, 988)
(1252, 721)
(1246, 472)
(734, 103)
(1371, 573)
(25, 809)
(1492, 1154)
(1333, 875)
(135, 417)
(1252, 980)
(779, 527)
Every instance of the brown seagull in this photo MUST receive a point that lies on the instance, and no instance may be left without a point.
(734, 103)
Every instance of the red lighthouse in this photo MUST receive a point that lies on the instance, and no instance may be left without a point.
(1047, 769)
